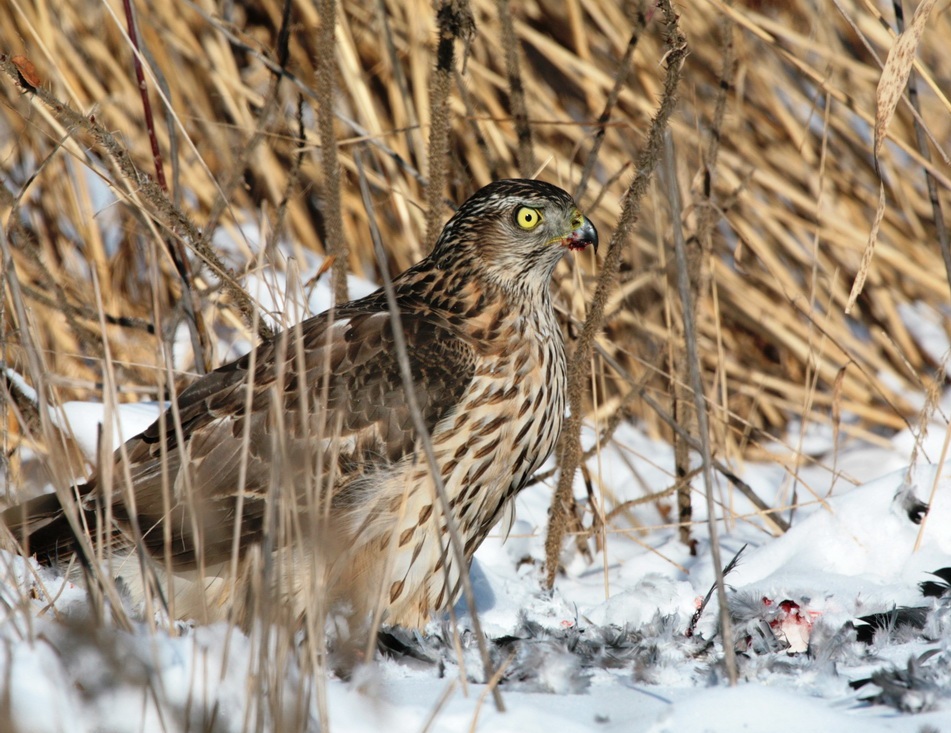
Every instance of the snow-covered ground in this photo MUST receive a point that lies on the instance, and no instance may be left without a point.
(606, 651)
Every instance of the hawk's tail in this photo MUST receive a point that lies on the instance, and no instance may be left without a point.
(42, 528)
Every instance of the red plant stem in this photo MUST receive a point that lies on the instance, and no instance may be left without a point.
(144, 92)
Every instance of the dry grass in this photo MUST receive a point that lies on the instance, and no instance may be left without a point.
(780, 212)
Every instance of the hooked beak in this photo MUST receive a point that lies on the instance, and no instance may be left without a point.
(582, 235)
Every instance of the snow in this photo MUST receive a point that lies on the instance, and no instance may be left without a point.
(852, 555)
(841, 547)
(756, 707)
(84, 419)
(35, 675)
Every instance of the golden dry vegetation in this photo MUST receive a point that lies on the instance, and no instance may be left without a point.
(773, 133)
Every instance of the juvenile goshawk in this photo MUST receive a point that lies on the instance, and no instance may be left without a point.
(305, 451)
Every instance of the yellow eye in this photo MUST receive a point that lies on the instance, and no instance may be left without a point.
(528, 218)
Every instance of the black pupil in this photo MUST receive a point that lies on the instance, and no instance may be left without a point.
(528, 217)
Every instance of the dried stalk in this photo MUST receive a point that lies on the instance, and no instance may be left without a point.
(526, 155)
(326, 86)
(683, 395)
(620, 81)
(163, 210)
(456, 546)
(455, 21)
(570, 445)
(198, 332)
(686, 288)
(921, 138)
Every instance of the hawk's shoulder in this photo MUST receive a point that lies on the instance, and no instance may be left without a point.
(347, 364)
(367, 384)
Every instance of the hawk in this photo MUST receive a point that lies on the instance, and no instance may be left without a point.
(305, 455)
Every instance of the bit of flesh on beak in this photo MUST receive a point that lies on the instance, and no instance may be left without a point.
(582, 235)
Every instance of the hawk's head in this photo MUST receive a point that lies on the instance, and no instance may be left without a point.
(517, 230)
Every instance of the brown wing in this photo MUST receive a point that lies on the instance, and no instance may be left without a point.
(348, 401)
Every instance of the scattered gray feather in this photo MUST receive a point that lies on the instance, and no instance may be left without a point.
(921, 686)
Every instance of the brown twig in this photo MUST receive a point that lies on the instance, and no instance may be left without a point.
(523, 131)
(620, 81)
(198, 332)
(144, 95)
(686, 288)
(921, 138)
(326, 88)
(570, 446)
(455, 22)
(293, 177)
(707, 217)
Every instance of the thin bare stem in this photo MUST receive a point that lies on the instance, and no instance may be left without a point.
(419, 425)
(921, 138)
(523, 131)
(570, 445)
(455, 21)
(200, 340)
(326, 86)
(685, 289)
(620, 81)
